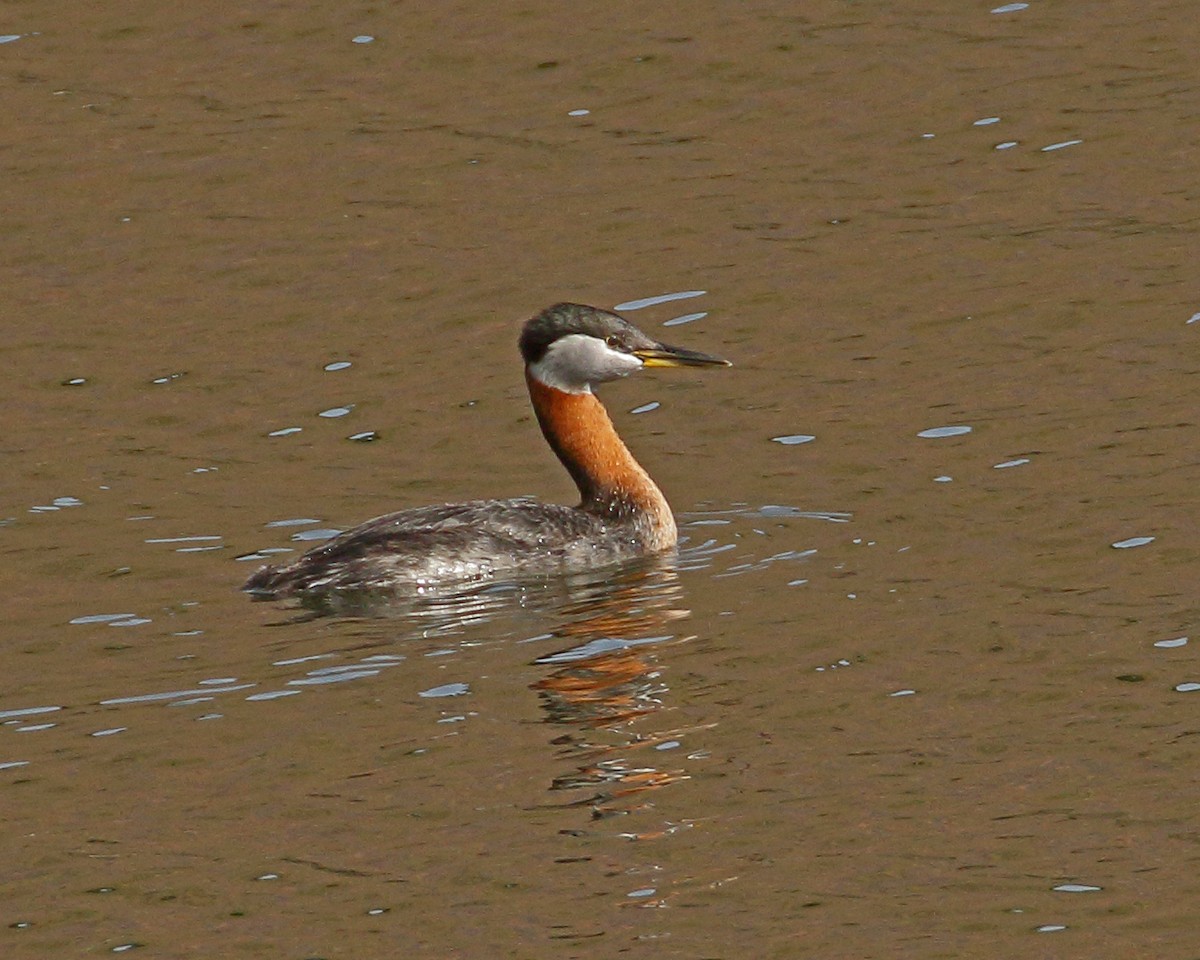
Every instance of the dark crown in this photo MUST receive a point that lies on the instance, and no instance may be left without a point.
(564, 319)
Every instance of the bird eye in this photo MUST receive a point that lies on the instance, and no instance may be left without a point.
(613, 341)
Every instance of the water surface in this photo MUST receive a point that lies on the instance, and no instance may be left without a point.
(901, 696)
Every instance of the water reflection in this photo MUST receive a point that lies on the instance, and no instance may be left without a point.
(605, 684)
(614, 625)
(448, 608)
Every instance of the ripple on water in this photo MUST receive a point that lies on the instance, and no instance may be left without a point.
(195, 539)
(265, 553)
(690, 317)
(114, 619)
(1132, 542)
(700, 554)
(794, 439)
(341, 676)
(445, 690)
(58, 503)
(1060, 145)
(173, 694)
(272, 695)
(27, 712)
(599, 647)
(103, 617)
(777, 510)
(934, 433)
(294, 660)
(209, 542)
(661, 298)
(321, 533)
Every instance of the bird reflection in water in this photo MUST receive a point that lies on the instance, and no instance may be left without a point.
(608, 680)
(618, 622)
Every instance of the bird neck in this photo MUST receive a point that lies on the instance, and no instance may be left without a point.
(610, 481)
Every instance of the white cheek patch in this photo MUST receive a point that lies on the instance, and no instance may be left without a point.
(573, 363)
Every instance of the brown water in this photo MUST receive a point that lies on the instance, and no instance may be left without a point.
(902, 696)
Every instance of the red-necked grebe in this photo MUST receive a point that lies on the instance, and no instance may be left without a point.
(567, 349)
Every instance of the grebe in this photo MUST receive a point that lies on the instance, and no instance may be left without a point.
(567, 349)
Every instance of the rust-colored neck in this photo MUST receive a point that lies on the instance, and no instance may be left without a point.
(611, 482)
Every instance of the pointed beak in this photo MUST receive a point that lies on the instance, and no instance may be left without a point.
(663, 355)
